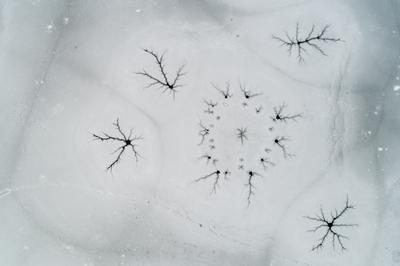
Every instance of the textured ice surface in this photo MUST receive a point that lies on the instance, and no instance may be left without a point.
(68, 71)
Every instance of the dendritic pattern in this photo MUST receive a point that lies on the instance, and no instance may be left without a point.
(281, 143)
(236, 136)
(161, 80)
(215, 176)
(124, 141)
(311, 40)
(281, 116)
(330, 225)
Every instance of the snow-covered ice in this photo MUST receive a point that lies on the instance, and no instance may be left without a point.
(217, 180)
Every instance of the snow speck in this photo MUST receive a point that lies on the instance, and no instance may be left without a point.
(138, 10)
(39, 82)
(396, 88)
(50, 28)
(377, 109)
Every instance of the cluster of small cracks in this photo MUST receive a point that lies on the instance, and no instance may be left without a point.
(241, 133)
(127, 142)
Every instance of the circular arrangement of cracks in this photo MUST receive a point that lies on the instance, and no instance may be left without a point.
(237, 136)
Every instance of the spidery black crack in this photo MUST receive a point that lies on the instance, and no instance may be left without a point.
(210, 103)
(312, 40)
(280, 116)
(216, 175)
(247, 93)
(206, 157)
(241, 134)
(126, 143)
(250, 185)
(280, 142)
(225, 93)
(162, 82)
(203, 132)
(331, 225)
(265, 162)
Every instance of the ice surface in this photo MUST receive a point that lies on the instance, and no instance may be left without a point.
(68, 71)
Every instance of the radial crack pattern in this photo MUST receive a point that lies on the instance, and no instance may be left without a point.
(241, 134)
(163, 82)
(280, 116)
(225, 93)
(240, 141)
(312, 40)
(127, 142)
(331, 225)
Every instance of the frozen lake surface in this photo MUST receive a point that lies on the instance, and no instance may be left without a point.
(200, 132)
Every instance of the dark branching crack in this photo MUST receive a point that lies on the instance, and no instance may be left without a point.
(208, 158)
(163, 82)
(225, 93)
(265, 162)
(126, 143)
(312, 40)
(247, 93)
(210, 106)
(210, 103)
(216, 175)
(203, 132)
(279, 115)
(280, 142)
(250, 185)
(241, 134)
(331, 225)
